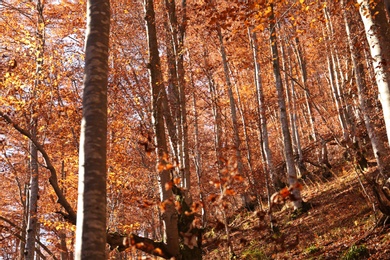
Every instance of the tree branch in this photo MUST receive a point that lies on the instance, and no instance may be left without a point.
(53, 180)
(24, 240)
(122, 242)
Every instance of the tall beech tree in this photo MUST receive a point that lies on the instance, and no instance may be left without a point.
(32, 224)
(288, 151)
(328, 74)
(92, 199)
(169, 214)
(378, 35)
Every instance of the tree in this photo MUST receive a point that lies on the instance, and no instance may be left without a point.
(169, 214)
(32, 225)
(378, 34)
(91, 214)
(288, 152)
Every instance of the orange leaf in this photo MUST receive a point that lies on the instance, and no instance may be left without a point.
(212, 197)
(169, 166)
(168, 185)
(230, 192)
(160, 167)
(176, 181)
(285, 192)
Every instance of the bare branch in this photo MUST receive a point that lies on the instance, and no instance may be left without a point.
(23, 239)
(53, 180)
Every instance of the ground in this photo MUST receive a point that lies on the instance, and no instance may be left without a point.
(339, 224)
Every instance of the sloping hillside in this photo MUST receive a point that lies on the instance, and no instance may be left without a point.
(339, 224)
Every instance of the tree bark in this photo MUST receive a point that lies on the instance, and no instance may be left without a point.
(288, 151)
(236, 135)
(302, 65)
(335, 82)
(169, 215)
(366, 108)
(176, 33)
(92, 197)
(377, 31)
(32, 223)
(263, 130)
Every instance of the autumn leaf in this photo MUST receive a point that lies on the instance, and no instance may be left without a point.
(230, 192)
(168, 185)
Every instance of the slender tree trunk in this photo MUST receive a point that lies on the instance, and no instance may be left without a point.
(24, 201)
(290, 98)
(33, 200)
(169, 215)
(263, 130)
(237, 141)
(288, 151)
(32, 223)
(377, 32)
(302, 65)
(218, 143)
(197, 157)
(92, 199)
(335, 83)
(62, 233)
(366, 108)
(177, 82)
(198, 160)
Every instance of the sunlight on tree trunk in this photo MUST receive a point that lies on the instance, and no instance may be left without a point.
(32, 200)
(169, 215)
(288, 152)
(262, 120)
(32, 225)
(375, 24)
(364, 102)
(92, 201)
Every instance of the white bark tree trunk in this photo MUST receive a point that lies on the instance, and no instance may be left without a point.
(32, 222)
(263, 130)
(375, 28)
(288, 151)
(366, 109)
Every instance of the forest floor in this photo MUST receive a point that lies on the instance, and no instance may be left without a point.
(339, 224)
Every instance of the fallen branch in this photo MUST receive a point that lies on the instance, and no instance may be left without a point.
(122, 242)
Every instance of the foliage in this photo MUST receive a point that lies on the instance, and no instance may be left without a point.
(356, 252)
(312, 249)
(318, 83)
(254, 252)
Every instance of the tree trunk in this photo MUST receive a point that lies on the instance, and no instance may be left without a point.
(335, 83)
(198, 161)
(32, 200)
(24, 202)
(236, 135)
(92, 198)
(290, 98)
(32, 223)
(366, 109)
(302, 65)
(264, 142)
(378, 36)
(169, 214)
(288, 151)
(176, 68)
